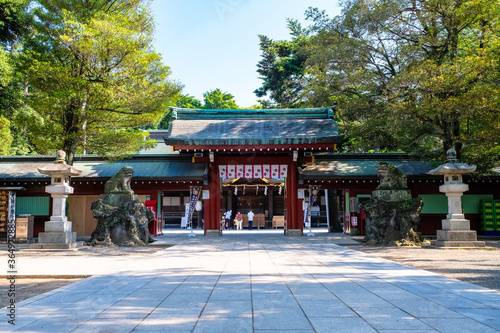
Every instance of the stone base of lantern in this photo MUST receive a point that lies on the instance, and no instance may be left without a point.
(457, 233)
(57, 235)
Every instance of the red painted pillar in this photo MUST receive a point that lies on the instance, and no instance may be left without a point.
(300, 213)
(293, 220)
(212, 218)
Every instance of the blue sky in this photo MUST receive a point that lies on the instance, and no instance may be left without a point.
(214, 44)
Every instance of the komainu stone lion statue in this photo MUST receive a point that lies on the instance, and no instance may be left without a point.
(120, 182)
(392, 215)
(121, 218)
(391, 178)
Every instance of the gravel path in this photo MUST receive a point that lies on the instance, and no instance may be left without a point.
(481, 267)
(27, 288)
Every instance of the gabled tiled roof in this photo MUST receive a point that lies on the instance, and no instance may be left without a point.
(145, 169)
(154, 168)
(253, 132)
(224, 114)
(359, 166)
(253, 127)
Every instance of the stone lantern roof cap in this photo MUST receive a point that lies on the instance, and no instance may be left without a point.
(452, 165)
(59, 167)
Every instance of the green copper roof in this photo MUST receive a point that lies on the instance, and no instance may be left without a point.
(360, 168)
(208, 114)
(253, 132)
(143, 169)
(252, 127)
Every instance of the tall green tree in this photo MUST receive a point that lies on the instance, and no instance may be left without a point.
(418, 76)
(183, 101)
(216, 99)
(15, 22)
(282, 68)
(94, 77)
(189, 102)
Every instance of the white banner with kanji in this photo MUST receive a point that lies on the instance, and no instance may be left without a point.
(275, 171)
(283, 171)
(252, 171)
(257, 171)
(231, 172)
(248, 172)
(266, 171)
(223, 171)
(240, 171)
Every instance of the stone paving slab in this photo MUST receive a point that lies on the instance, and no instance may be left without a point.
(251, 282)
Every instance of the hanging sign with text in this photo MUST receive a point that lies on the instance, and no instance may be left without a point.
(251, 171)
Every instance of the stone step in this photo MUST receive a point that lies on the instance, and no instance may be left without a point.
(456, 235)
(458, 244)
(56, 246)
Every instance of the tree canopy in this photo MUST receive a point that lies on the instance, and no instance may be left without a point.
(94, 78)
(283, 68)
(216, 99)
(15, 22)
(415, 76)
(188, 102)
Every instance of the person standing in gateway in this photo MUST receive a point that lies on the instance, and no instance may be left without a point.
(239, 221)
(250, 219)
(227, 217)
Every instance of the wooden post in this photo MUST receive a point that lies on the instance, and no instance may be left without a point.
(270, 194)
(295, 225)
(212, 215)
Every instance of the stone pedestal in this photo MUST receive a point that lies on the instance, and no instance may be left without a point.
(456, 233)
(457, 238)
(57, 240)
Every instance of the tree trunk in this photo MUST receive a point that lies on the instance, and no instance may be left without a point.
(456, 137)
(70, 146)
(72, 129)
(451, 138)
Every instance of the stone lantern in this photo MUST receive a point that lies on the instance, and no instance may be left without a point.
(456, 229)
(58, 231)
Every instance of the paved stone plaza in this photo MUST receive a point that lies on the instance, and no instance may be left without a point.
(257, 281)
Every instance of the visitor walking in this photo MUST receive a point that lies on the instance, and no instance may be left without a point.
(250, 219)
(227, 218)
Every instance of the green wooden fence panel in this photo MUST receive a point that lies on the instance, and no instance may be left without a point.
(471, 203)
(434, 204)
(37, 206)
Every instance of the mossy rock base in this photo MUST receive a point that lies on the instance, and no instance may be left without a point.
(122, 220)
(390, 222)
